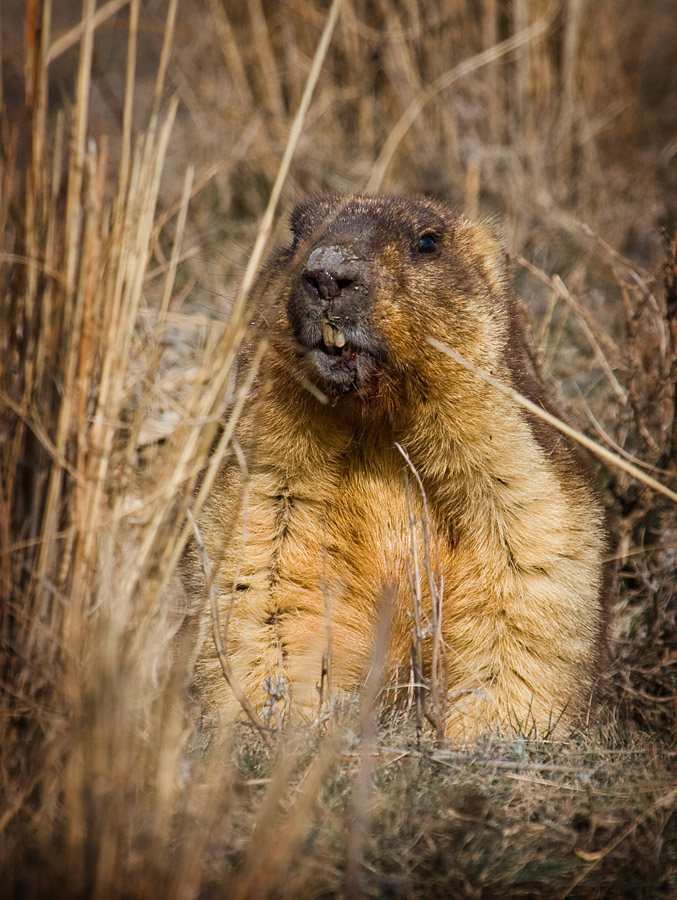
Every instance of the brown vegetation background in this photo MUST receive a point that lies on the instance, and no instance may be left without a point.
(139, 145)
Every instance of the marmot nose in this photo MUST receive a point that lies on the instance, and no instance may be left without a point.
(330, 276)
(327, 285)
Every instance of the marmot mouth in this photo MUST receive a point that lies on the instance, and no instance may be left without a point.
(335, 343)
(347, 352)
(343, 355)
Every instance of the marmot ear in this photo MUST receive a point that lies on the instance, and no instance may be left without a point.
(493, 226)
(309, 215)
(495, 247)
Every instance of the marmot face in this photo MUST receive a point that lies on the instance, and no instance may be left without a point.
(373, 277)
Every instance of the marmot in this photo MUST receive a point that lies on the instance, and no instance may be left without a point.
(325, 514)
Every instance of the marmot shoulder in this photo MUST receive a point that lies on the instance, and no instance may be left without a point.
(375, 464)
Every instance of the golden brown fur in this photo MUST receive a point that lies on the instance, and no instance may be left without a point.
(306, 540)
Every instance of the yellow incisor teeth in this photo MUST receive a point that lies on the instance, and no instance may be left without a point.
(327, 334)
(332, 336)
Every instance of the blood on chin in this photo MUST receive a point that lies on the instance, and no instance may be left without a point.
(346, 372)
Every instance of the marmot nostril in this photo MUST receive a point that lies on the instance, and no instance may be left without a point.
(311, 284)
(328, 285)
(321, 282)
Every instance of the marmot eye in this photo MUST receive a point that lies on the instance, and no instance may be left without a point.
(427, 243)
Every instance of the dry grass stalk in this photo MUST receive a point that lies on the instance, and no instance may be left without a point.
(578, 436)
(220, 635)
(436, 683)
(357, 825)
(279, 834)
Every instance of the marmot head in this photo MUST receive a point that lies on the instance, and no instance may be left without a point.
(369, 278)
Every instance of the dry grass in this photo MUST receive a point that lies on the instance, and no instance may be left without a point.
(126, 221)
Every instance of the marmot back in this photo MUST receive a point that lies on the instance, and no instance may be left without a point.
(498, 531)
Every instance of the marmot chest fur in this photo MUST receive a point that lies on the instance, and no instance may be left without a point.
(374, 466)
